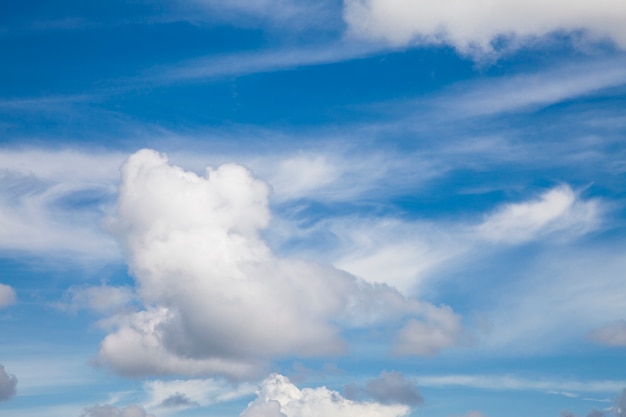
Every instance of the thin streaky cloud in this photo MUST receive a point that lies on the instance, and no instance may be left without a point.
(240, 64)
(515, 383)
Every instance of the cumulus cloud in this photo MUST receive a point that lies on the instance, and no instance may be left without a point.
(111, 411)
(473, 25)
(8, 385)
(613, 334)
(7, 295)
(388, 388)
(217, 299)
(278, 397)
(559, 209)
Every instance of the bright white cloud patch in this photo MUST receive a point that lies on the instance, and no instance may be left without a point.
(7, 295)
(217, 300)
(557, 210)
(472, 25)
(278, 397)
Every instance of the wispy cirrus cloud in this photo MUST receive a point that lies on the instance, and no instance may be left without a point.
(510, 382)
(245, 63)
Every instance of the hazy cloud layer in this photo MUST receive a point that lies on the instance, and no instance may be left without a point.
(613, 334)
(7, 295)
(51, 202)
(8, 385)
(388, 388)
(101, 299)
(218, 301)
(278, 397)
(111, 411)
(473, 26)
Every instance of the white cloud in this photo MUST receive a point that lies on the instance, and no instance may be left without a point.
(472, 26)
(557, 210)
(51, 202)
(522, 92)
(277, 397)
(218, 301)
(613, 334)
(246, 63)
(7, 295)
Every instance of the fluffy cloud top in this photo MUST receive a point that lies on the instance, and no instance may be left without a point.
(217, 301)
(111, 411)
(8, 385)
(278, 397)
(7, 295)
(472, 25)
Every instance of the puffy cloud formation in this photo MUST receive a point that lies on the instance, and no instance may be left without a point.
(388, 388)
(111, 411)
(278, 397)
(557, 210)
(613, 334)
(473, 25)
(217, 300)
(7, 295)
(8, 385)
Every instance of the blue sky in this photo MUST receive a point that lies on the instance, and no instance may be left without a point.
(283, 208)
